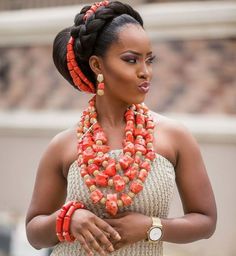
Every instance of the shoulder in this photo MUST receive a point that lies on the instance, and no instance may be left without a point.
(62, 149)
(174, 137)
(61, 139)
(171, 126)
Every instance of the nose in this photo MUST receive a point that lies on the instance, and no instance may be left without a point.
(144, 72)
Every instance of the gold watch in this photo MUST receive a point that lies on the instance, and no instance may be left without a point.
(155, 232)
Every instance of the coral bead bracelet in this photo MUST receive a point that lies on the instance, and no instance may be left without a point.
(63, 221)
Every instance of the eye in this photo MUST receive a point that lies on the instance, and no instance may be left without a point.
(151, 59)
(131, 61)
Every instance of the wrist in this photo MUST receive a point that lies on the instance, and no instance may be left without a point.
(148, 225)
(155, 232)
(63, 221)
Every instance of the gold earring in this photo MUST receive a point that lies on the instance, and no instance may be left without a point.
(101, 85)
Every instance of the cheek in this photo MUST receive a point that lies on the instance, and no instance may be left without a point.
(120, 76)
(150, 72)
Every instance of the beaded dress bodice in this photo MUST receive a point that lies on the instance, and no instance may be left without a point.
(154, 200)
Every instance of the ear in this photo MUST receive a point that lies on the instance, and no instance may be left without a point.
(95, 64)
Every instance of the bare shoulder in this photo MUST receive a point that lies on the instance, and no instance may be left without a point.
(172, 126)
(63, 148)
(64, 136)
(171, 137)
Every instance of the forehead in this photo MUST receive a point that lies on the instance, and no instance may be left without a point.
(132, 37)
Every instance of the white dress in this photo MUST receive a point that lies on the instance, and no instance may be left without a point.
(153, 200)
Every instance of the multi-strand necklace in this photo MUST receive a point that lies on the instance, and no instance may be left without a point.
(125, 176)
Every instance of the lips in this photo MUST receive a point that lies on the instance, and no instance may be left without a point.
(144, 87)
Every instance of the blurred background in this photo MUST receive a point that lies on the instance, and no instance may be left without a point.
(194, 82)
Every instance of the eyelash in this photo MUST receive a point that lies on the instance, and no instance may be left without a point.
(151, 59)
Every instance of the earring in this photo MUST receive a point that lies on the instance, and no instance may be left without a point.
(101, 85)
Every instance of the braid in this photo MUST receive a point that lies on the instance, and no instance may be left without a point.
(87, 32)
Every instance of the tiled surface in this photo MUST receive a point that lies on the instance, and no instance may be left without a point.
(189, 77)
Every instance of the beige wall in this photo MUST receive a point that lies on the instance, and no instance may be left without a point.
(20, 153)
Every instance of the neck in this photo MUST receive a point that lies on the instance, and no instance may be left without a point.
(110, 112)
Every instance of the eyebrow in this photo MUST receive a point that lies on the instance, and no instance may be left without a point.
(136, 53)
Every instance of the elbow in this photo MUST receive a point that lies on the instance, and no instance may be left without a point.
(211, 226)
(30, 237)
(31, 240)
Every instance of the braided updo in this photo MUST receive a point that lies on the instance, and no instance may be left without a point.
(93, 36)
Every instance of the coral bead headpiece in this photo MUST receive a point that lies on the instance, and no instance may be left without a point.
(78, 77)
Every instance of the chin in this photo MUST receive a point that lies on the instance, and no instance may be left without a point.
(138, 99)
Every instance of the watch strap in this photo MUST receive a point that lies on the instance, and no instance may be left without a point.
(156, 222)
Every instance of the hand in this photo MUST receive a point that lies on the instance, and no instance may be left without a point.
(92, 232)
(131, 226)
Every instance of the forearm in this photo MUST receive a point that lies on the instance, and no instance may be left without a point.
(189, 228)
(41, 231)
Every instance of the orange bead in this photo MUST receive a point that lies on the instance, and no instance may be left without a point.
(110, 169)
(140, 119)
(136, 187)
(131, 172)
(89, 182)
(96, 196)
(119, 183)
(140, 148)
(101, 86)
(92, 168)
(149, 138)
(127, 200)
(101, 180)
(125, 161)
(151, 155)
(129, 147)
(88, 154)
(129, 127)
(140, 142)
(101, 148)
(70, 56)
(83, 171)
(146, 166)
(100, 135)
(111, 204)
(142, 175)
(150, 125)
(99, 159)
(141, 132)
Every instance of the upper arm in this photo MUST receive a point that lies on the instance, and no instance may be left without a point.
(191, 176)
(50, 184)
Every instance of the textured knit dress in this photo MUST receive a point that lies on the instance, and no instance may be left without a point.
(153, 200)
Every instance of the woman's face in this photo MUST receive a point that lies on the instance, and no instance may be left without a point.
(127, 64)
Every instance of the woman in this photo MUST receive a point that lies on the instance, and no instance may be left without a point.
(115, 171)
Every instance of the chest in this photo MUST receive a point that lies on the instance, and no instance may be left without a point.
(153, 200)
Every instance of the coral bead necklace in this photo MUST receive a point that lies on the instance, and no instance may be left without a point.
(125, 176)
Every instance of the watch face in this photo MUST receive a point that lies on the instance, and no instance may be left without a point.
(155, 234)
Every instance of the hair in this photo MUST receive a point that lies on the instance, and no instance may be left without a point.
(93, 36)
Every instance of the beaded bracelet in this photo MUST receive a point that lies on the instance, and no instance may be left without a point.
(63, 221)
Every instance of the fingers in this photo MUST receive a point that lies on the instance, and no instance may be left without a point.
(83, 243)
(100, 236)
(107, 229)
(92, 243)
(118, 245)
